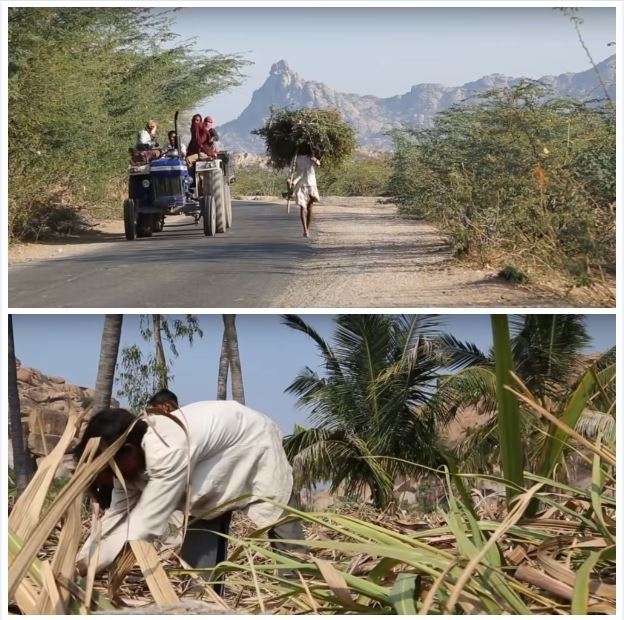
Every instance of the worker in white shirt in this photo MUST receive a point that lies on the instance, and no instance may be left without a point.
(207, 454)
(303, 184)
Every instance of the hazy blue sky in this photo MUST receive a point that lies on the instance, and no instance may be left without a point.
(385, 51)
(271, 353)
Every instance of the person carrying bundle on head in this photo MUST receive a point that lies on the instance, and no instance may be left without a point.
(303, 186)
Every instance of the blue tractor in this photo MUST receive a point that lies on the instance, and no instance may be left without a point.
(161, 185)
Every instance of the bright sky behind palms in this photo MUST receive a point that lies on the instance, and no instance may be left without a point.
(271, 353)
(385, 51)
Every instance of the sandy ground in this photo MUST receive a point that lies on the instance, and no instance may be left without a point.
(66, 245)
(371, 257)
(368, 256)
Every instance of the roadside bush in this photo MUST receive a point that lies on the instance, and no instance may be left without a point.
(257, 180)
(517, 174)
(361, 175)
(56, 213)
(81, 83)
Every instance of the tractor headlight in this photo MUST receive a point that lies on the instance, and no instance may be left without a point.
(145, 183)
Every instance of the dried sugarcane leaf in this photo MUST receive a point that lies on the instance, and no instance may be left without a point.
(336, 582)
(64, 561)
(26, 596)
(519, 507)
(93, 562)
(50, 603)
(123, 565)
(82, 478)
(27, 510)
(154, 574)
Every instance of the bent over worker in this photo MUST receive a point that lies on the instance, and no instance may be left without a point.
(207, 453)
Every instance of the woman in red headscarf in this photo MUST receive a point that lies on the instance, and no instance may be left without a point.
(197, 136)
(210, 134)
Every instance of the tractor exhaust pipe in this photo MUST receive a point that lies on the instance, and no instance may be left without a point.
(175, 127)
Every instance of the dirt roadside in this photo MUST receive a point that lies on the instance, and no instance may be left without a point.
(369, 256)
(366, 256)
(67, 245)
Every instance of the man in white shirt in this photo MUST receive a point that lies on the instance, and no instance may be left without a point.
(147, 137)
(304, 187)
(205, 454)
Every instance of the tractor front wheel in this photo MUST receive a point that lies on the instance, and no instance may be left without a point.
(144, 225)
(158, 223)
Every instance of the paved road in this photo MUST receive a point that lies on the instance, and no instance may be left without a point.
(178, 268)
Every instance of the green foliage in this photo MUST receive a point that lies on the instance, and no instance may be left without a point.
(516, 173)
(461, 567)
(286, 131)
(140, 375)
(513, 275)
(257, 180)
(82, 83)
(360, 175)
(379, 376)
(547, 357)
(508, 412)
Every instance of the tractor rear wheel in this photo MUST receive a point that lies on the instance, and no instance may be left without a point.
(215, 189)
(208, 215)
(228, 206)
(129, 219)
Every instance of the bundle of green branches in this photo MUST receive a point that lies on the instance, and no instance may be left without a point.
(287, 132)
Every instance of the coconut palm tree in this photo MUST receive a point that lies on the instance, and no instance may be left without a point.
(229, 360)
(161, 360)
(109, 349)
(547, 356)
(369, 405)
(21, 460)
(224, 367)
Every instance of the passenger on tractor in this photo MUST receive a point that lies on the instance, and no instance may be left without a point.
(212, 137)
(202, 144)
(173, 144)
(146, 139)
(197, 136)
(146, 147)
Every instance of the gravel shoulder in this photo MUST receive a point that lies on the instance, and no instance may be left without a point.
(369, 256)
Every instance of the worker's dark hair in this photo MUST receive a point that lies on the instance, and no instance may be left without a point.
(305, 149)
(110, 424)
(169, 133)
(163, 397)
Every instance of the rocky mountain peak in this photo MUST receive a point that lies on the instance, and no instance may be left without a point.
(372, 117)
(281, 67)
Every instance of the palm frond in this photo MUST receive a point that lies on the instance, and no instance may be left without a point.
(295, 322)
(593, 423)
(457, 354)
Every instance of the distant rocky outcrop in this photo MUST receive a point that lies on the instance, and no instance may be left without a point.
(373, 116)
(45, 403)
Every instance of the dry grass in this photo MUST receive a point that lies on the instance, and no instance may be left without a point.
(476, 557)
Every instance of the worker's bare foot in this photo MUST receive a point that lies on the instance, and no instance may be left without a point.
(306, 233)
